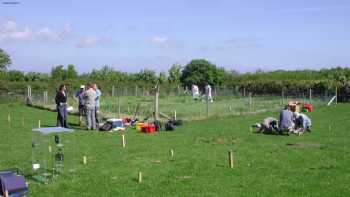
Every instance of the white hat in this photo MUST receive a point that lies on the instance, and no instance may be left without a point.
(82, 86)
(296, 114)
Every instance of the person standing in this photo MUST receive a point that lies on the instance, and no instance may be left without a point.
(195, 92)
(81, 107)
(61, 106)
(97, 107)
(208, 94)
(90, 105)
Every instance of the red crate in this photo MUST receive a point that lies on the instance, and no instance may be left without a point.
(148, 128)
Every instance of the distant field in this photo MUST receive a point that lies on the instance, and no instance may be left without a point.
(315, 164)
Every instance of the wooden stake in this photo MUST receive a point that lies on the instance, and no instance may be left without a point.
(84, 160)
(230, 157)
(230, 108)
(6, 193)
(172, 153)
(50, 149)
(123, 141)
(175, 114)
(9, 118)
(39, 124)
(139, 177)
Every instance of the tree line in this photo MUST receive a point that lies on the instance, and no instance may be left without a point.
(198, 71)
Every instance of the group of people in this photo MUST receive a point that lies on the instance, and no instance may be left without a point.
(89, 105)
(207, 91)
(289, 121)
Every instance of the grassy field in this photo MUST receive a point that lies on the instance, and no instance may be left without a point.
(315, 164)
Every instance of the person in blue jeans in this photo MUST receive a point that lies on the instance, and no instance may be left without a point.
(97, 104)
(61, 106)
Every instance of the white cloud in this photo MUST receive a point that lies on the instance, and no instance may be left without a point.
(165, 43)
(88, 41)
(159, 39)
(11, 31)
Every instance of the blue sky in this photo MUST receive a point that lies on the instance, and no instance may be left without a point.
(132, 35)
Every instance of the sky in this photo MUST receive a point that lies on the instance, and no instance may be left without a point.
(132, 35)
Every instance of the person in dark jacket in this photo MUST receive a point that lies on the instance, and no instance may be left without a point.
(61, 106)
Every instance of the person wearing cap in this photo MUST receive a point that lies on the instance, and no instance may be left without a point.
(79, 95)
(302, 122)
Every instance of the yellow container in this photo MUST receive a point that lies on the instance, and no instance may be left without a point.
(139, 125)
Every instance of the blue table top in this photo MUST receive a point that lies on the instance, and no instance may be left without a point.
(48, 130)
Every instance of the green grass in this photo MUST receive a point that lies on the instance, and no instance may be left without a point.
(315, 164)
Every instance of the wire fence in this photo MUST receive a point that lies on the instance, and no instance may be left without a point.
(166, 103)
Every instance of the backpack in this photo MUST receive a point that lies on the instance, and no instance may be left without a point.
(106, 127)
(169, 126)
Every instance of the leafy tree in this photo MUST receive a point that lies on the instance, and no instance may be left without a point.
(162, 77)
(15, 75)
(174, 74)
(146, 76)
(201, 71)
(58, 73)
(71, 72)
(5, 60)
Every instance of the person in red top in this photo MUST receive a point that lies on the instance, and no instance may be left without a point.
(61, 106)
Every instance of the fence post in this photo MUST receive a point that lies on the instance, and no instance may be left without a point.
(207, 105)
(156, 103)
(118, 100)
(336, 95)
(243, 91)
(112, 91)
(282, 96)
(29, 91)
(136, 89)
(250, 102)
(310, 95)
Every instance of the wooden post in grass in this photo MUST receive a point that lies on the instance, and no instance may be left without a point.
(230, 158)
(84, 160)
(39, 124)
(9, 118)
(282, 96)
(123, 141)
(175, 114)
(156, 103)
(230, 108)
(172, 153)
(50, 149)
(139, 177)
